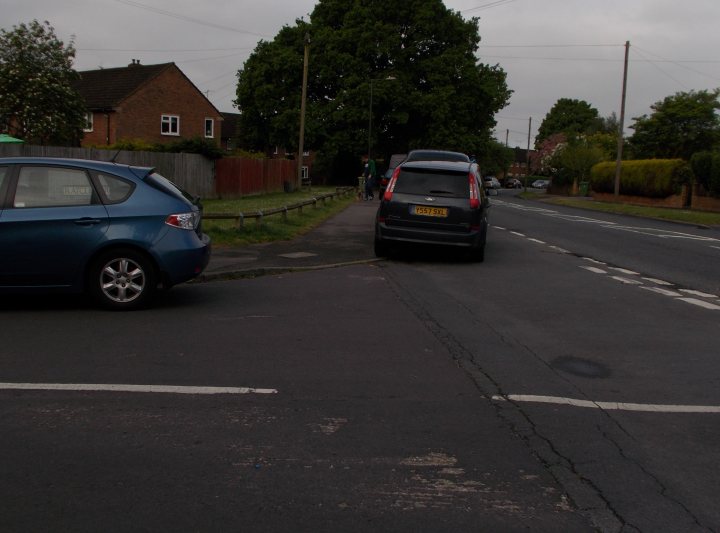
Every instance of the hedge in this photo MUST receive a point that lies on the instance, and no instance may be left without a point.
(652, 178)
(706, 167)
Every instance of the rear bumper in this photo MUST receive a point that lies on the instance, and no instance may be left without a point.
(469, 239)
(183, 258)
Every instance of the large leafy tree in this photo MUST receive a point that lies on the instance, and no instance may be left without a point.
(571, 118)
(679, 126)
(416, 57)
(37, 100)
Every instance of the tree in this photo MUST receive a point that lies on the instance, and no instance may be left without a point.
(496, 159)
(416, 56)
(577, 157)
(571, 118)
(37, 100)
(679, 126)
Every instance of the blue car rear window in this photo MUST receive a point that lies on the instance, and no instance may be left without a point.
(165, 185)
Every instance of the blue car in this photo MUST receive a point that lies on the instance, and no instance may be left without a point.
(115, 232)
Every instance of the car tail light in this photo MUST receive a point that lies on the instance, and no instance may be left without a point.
(474, 192)
(187, 221)
(391, 186)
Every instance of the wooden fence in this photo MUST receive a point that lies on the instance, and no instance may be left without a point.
(192, 172)
(236, 176)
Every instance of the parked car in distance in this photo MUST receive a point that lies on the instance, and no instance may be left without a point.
(434, 202)
(513, 183)
(115, 232)
(436, 155)
(541, 184)
(491, 182)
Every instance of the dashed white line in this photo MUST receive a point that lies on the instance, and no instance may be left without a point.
(538, 241)
(594, 261)
(664, 292)
(627, 281)
(594, 270)
(701, 303)
(698, 293)
(625, 271)
(658, 282)
(517, 233)
(106, 387)
(610, 406)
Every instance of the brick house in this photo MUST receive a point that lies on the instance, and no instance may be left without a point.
(153, 103)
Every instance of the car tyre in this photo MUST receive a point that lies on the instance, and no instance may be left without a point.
(381, 248)
(478, 254)
(122, 279)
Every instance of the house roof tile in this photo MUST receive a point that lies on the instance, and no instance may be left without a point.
(106, 88)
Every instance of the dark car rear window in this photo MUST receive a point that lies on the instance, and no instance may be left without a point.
(451, 184)
(419, 155)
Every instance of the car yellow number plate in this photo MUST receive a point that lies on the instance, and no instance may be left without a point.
(430, 211)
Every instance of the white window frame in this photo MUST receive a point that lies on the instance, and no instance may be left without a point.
(210, 121)
(89, 122)
(173, 123)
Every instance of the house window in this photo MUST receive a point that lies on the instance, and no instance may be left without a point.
(276, 151)
(209, 128)
(304, 173)
(88, 122)
(170, 125)
(306, 153)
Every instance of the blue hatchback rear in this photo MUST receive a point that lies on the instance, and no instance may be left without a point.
(114, 231)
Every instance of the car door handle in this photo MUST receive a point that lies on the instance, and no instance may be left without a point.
(88, 221)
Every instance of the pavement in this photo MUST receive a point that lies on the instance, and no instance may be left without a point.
(344, 239)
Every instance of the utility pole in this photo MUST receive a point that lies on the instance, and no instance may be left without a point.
(301, 148)
(527, 154)
(507, 135)
(621, 127)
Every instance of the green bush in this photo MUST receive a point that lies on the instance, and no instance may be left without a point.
(653, 178)
(196, 145)
(706, 167)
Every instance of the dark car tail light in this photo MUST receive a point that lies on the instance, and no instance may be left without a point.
(391, 186)
(474, 192)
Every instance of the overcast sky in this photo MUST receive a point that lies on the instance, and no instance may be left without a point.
(550, 49)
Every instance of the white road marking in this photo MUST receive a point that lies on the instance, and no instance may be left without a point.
(595, 270)
(658, 282)
(625, 271)
(499, 227)
(107, 387)
(517, 233)
(537, 241)
(652, 232)
(698, 293)
(561, 250)
(701, 303)
(610, 406)
(627, 281)
(664, 292)
(594, 261)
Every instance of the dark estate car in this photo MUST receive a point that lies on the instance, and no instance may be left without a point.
(114, 231)
(436, 155)
(434, 202)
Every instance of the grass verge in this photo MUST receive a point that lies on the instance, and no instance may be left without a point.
(700, 218)
(225, 233)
